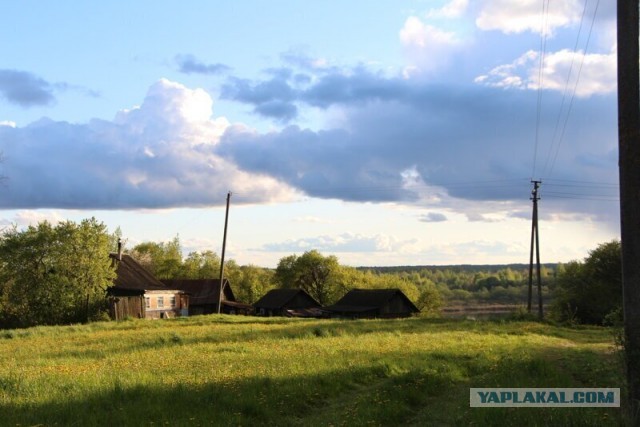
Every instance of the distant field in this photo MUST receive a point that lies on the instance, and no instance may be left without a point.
(224, 370)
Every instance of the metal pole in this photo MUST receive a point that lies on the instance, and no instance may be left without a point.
(224, 246)
(629, 163)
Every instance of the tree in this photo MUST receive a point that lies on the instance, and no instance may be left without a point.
(54, 274)
(163, 260)
(202, 265)
(311, 272)
(587, 292)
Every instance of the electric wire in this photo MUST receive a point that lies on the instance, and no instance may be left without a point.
(575, 88)
(566, 88)
(543, 48)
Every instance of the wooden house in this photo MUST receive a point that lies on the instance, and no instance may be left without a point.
(287, 302)
(373, 303)
(204, 295)
(137, 293)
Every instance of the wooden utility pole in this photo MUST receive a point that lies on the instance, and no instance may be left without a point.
(629, 163)
(224, 246)
(535, 242)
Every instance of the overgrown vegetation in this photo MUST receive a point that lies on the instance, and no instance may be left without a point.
(225, 370)
(54, 274)
(591, 291)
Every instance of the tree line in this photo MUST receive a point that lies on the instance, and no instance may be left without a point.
(59, 274)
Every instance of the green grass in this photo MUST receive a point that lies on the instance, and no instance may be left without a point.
(225, 370)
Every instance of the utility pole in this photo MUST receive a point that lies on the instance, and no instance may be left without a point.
(629, 165)
(535, 241)
(224, 246)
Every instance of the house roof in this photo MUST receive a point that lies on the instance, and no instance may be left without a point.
(133, 276)
(363, 300)
(202, 291)
(278, 298)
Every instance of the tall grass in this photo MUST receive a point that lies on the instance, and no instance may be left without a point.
(224, 370)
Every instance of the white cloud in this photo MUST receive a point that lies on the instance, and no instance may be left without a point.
(453, 9)
(346, 242)
(418, 34)
(157, 155)
(7, 123)
(428, 46)
(31, 217)
(597, 73)
(511, 16)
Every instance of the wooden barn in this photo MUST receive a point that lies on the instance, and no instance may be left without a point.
(373, 303)
(288, 302)
(204, 295)
(137, 293)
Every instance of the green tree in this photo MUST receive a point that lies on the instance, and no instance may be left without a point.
(201, 265)
(54, 274)
(587, 292)
(163, 260)
(311, 272)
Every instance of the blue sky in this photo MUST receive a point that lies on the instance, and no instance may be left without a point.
(386, 132)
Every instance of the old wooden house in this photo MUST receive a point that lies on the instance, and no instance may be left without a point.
(204, 295)
(373, 303)
(137, 293)
(288, 302)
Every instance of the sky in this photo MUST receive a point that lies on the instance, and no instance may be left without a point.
(383, 132)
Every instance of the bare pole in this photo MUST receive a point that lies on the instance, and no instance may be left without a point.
(534, 243)
(224, 246)
(535, 213)
(629, 165)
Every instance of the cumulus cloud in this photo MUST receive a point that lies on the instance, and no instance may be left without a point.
(453, 9)
(26, 218)
(25, 89)
(346, 242)
(157, 155)
(561, 70)
(189, 64)
(510, 16)
(428, 46)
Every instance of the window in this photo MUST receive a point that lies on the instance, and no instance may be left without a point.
(160, 302)
(172, 301)
(147, 302)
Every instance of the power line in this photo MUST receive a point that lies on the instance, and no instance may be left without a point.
(543, 48)
(575, 88)
(566, 87)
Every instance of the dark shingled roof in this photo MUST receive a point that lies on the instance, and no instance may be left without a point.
(201, 291)
(361, 300)
(132, 276)
(276, 299)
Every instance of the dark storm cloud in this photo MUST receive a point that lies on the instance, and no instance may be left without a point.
(25, 89)
(188, 64)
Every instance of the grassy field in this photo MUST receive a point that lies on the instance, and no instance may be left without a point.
(224, 370)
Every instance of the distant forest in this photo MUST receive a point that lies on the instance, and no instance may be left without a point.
(468, 284)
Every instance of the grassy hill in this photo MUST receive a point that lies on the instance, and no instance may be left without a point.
(224, 370)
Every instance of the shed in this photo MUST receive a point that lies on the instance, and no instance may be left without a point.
(205, 294)
(373, 303)
(288, 302)
(137, 293)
